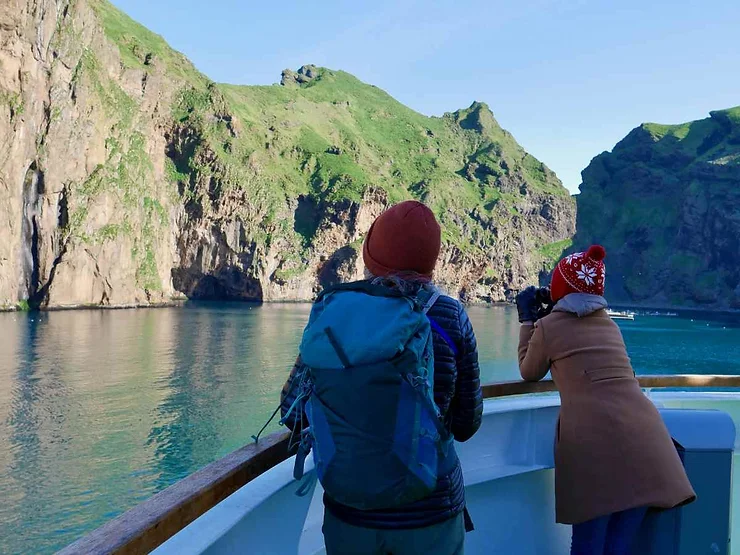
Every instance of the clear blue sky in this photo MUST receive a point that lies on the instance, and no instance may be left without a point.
(569, 78)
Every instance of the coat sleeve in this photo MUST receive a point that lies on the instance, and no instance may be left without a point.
(288, 396)
(467, 405)
(533, 360)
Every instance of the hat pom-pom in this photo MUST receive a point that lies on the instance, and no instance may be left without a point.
(596, 252)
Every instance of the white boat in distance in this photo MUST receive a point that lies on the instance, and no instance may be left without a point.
(621, 315)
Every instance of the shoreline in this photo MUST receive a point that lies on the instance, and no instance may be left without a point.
(681, 310)
(180, 303)
(64, 308)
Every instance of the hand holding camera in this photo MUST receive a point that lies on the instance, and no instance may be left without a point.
(534, 303)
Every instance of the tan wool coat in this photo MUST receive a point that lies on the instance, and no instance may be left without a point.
(612, 450)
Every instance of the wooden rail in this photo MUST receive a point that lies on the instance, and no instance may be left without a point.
(518, 387)
(151, 523)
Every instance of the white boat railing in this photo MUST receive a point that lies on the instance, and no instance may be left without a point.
(148, 525)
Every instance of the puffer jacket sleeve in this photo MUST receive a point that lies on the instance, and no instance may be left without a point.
(467, 405)
(296, 420)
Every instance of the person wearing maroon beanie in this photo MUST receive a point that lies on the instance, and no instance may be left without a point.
(403, 241)
(614, 458)
(401, 251)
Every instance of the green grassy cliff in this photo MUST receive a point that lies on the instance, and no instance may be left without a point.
(666, 205)
(183, 186)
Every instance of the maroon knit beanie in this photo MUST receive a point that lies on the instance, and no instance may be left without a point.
(406, 238)
(581, 272)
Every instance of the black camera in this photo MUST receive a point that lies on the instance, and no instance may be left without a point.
(542, 296)
(544, 302)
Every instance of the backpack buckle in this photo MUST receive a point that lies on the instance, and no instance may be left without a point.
(417, 381)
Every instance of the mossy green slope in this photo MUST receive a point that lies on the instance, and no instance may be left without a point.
(252, 154)
(334, 136)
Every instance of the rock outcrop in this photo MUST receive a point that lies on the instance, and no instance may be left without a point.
(304, 75)
(128, 178)
(665, 204)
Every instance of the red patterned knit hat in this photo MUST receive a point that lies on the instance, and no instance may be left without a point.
(581, 272)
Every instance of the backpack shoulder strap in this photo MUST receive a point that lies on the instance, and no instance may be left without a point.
(444, 335)
(426, 297)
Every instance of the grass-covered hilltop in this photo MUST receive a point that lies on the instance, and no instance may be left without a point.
(666, 205)
(127, 177)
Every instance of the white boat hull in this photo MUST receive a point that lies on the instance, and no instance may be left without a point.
(509, 489)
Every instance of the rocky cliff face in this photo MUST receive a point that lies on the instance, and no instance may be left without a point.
(89, 215)
(665, 203)
(128, 178)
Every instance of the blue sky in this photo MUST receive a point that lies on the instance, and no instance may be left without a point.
(569, 78)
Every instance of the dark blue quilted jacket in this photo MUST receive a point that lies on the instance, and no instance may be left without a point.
(458, 394)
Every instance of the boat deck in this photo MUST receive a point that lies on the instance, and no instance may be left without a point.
(248, 498)
(509, 489)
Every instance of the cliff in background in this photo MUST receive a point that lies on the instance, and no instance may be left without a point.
(666, 205)
(127, 177)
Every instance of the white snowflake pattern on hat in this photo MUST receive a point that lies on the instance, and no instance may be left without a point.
(586, 274)
(573, 257)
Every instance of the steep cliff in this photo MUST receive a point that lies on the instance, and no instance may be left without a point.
(127, 177)
(666, 204)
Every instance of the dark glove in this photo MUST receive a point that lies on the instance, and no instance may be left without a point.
(544, 302)
(527, 305)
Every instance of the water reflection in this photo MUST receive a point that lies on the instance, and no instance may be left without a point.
(185, 419)
(497, 332)
(25, 420)
(683, 346)
(101, 409)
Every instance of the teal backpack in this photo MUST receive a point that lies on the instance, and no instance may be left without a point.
(377, 436)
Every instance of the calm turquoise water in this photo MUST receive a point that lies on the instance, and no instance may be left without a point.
(101, 409)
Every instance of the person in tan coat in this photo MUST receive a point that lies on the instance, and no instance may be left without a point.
(614, 457)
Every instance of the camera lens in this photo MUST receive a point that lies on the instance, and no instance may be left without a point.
(543, 295)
